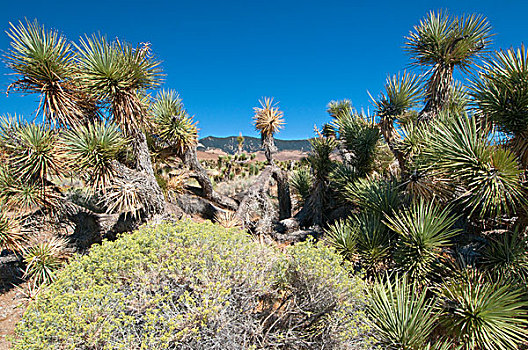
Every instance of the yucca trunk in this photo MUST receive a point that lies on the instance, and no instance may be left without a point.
(258, 192)
(268, 143)
(438, 90)
(190, 159)
(155, 200)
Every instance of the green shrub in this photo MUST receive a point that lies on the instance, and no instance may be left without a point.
(197, 286)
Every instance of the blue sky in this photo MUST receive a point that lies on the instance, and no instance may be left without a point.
(222, 56)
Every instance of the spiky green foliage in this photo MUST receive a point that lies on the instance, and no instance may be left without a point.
(43, 259)
(337, 108)
(171, 122)
(500, 90)
(92, 148)
(10, 236)
(33, 152)
(268, 118)
(402, 315)
(461, 153)
(301, 182)
(319, 157)
(359, 137)
(42, 62)
(423, 229)
(484, 315)
(118, 75)
(507, 256)
(402, 93)
(375, 195)
(442, 42)
(342, 236)
(362, 238)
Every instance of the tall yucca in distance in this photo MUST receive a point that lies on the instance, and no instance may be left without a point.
(268, 121)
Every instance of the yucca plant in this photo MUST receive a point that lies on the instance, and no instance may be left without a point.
(500, 90)
(507, 256)
(441, 43)
(227, 219)
(484, 315)
(91, 149)
(378, 196)
(34, 153)
(358, 138)
(461, 153)
(171, 122)
(43, 63)
(301, 182)
(122, 197)
(500, 93)
(43, 259)
(402, 315)
(342, 236)
(10, 235)
(402, 93)
(118, 74)
(423, 229)
(319, 157)
(269, 119)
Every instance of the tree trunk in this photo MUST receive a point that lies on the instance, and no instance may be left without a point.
(438, 92)
(259, 191)
(269, 148)
(190, 159)
(153, 198)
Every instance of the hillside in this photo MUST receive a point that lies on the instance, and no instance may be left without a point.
(251, 144)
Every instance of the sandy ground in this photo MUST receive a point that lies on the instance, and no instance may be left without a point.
(12, 306)
(213, 154)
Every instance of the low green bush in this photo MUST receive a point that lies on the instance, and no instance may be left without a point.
(198, 286)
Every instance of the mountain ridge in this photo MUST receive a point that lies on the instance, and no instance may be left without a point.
(252, 144)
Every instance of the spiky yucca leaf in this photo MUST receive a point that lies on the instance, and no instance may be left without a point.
(342, 236)
(402, 92)
(268, 118)
(377, 196)
(43, 259)
(402, 315)
(440, 43)
(319, 157)
(301, 182)
(171, 122)
(227, 219)
(444, 40)
(461, 152)
(359, 137)
(337, 108)
(34, 155)
(507, 256)
(92, 148)
(118, 74)
(500, 90)
(423, 230)
(123, 197)
(10, 236)
(485, 315)
(42, 61)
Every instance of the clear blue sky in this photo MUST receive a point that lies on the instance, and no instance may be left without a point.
(222, 56)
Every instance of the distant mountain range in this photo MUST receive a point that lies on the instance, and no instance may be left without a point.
(251, 144)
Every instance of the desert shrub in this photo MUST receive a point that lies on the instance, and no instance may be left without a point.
(198, 286)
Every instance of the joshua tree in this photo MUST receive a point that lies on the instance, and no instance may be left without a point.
(441, 43)
(178, 134)
(240, 141)
(268, 120)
